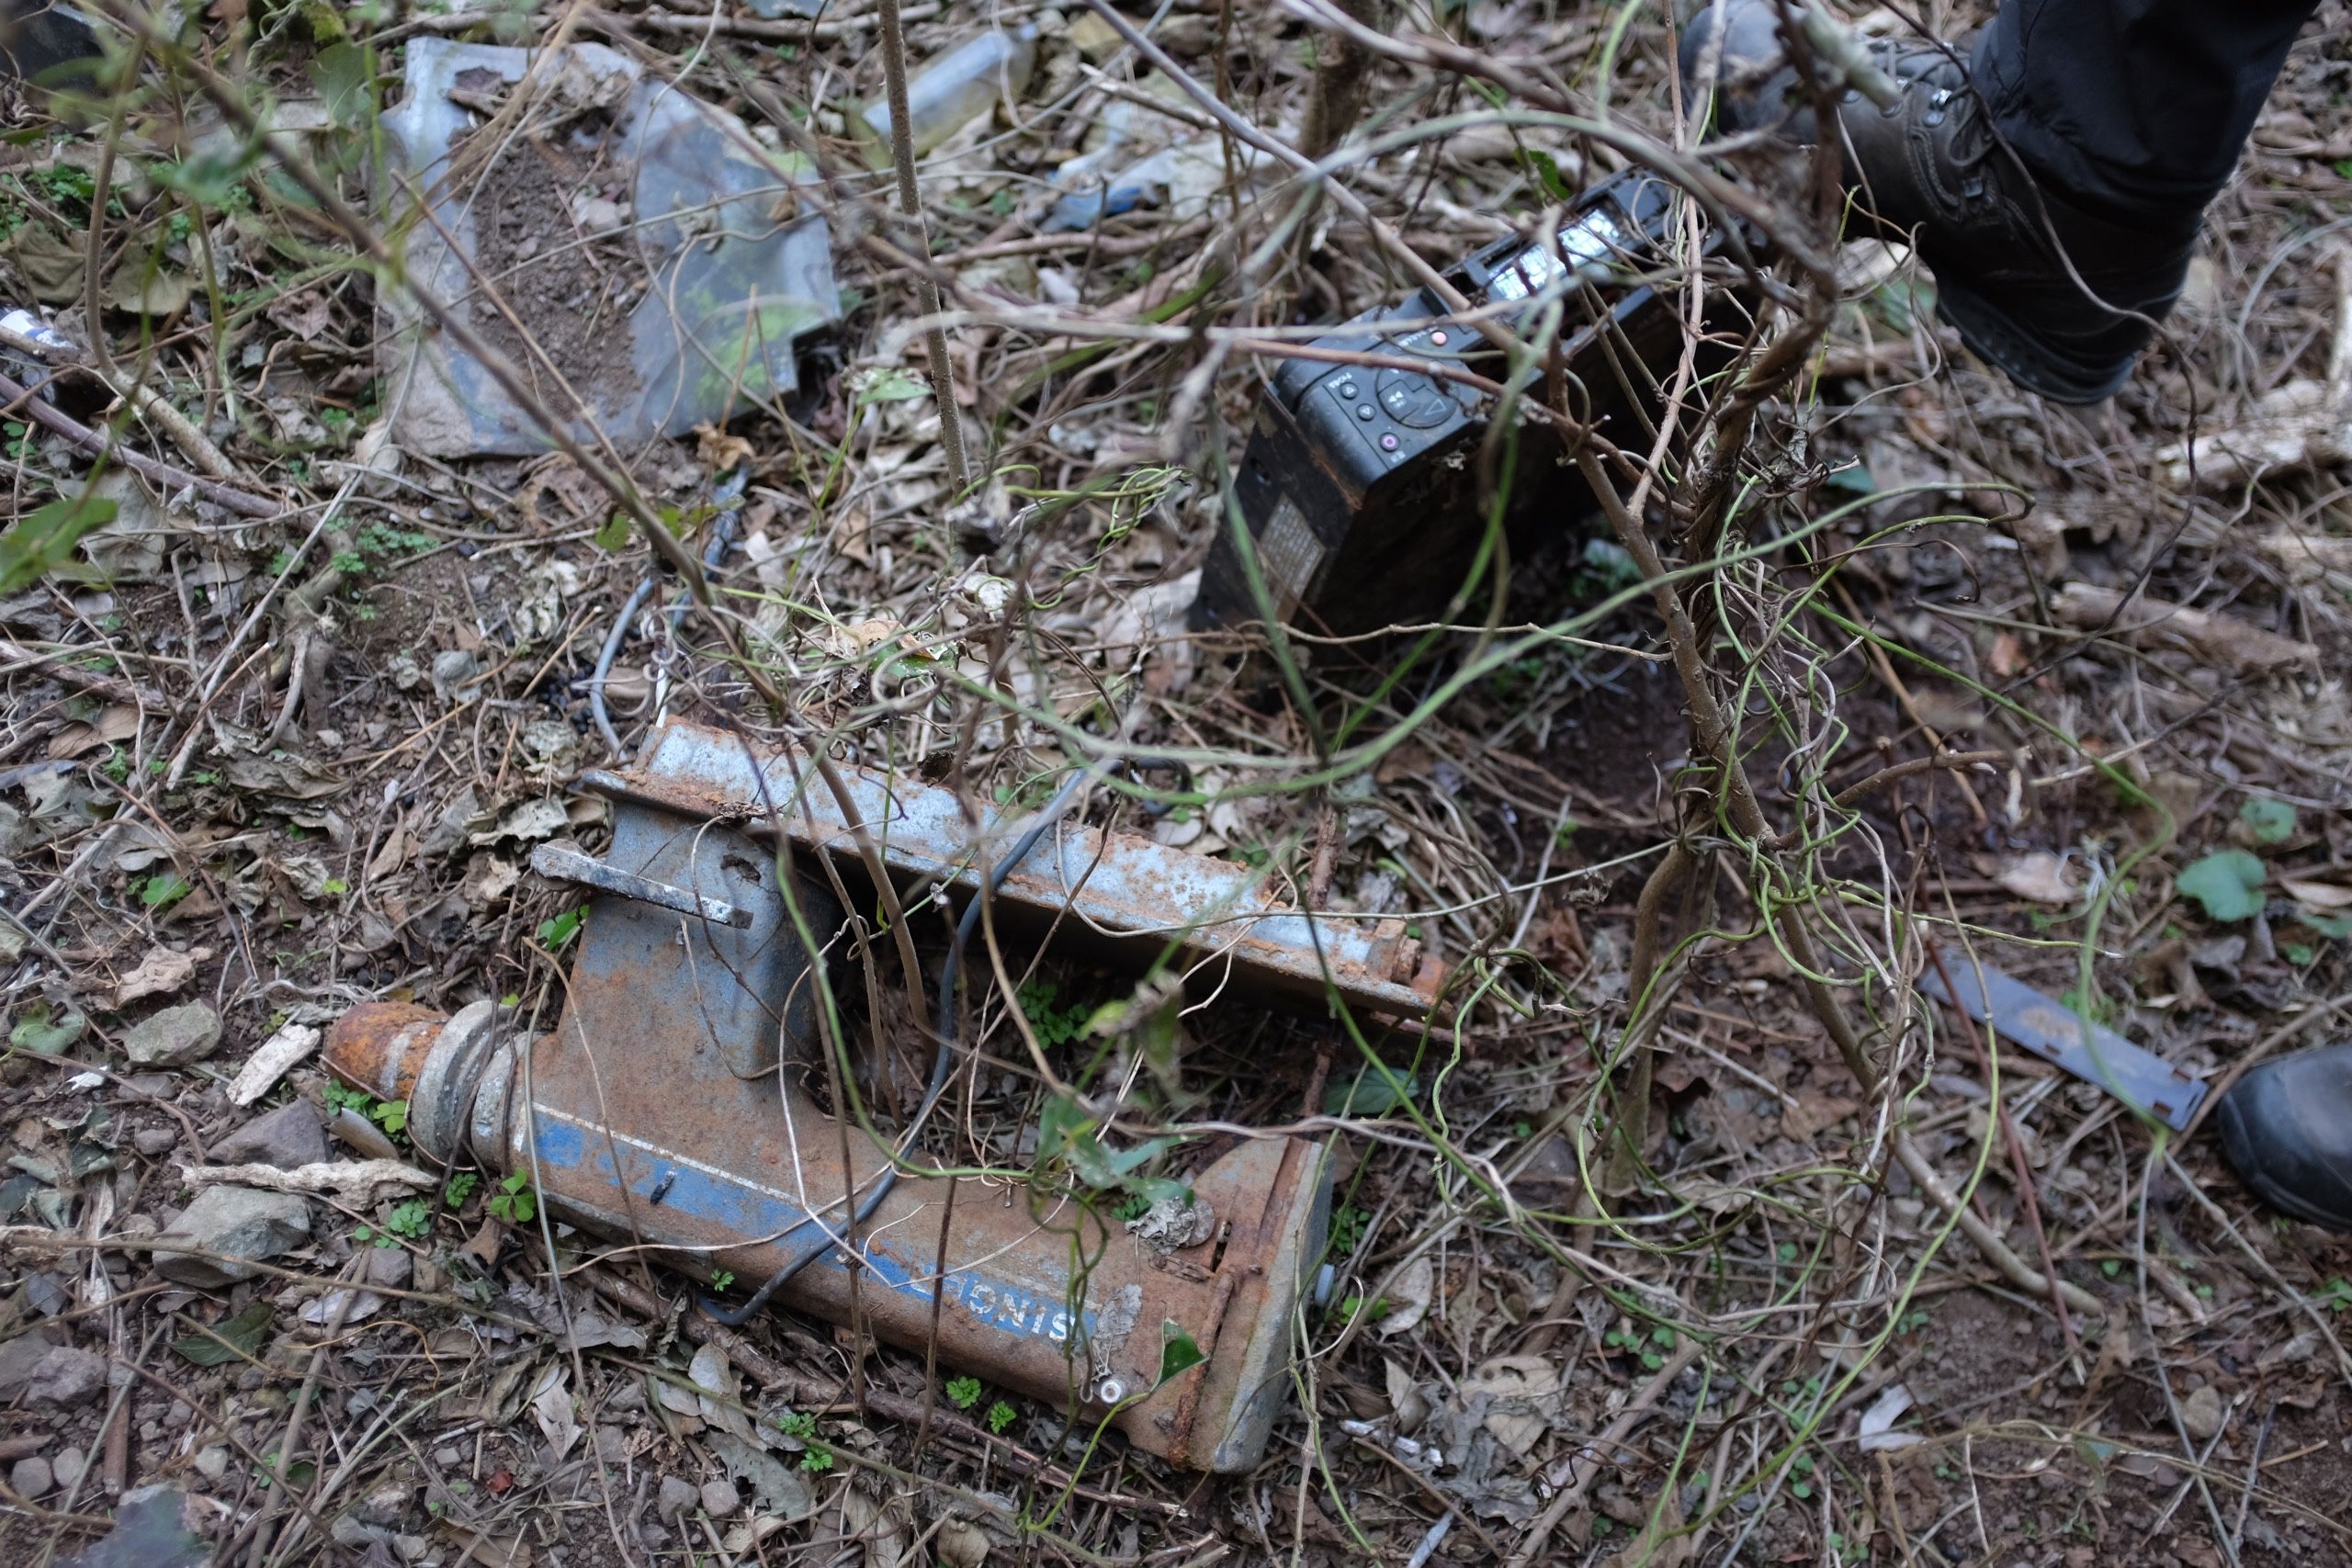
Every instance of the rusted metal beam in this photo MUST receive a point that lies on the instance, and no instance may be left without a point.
(1121, 890)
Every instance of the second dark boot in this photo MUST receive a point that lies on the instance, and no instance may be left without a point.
(2060, 297)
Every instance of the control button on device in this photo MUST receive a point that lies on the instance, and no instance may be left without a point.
(1415, 400)
(1347, 390)
(1388, 442)
(1363, 411)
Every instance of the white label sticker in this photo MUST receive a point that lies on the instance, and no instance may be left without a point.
(1288, 553)
(1589, 240)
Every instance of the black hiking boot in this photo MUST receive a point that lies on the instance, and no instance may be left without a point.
(2287, 1126)
(1931, 169)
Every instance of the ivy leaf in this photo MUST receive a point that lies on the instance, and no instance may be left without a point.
(43, 539)
(243, 1333)
(44, 1036)
(554, 932)
(2227, 882)
(2270, 819)
(1178, 1352)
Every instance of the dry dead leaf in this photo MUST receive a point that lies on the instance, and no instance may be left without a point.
(116, 722)
(551, 1408)
(1408, 1297)
(2313, 894)
(488, 1550)
(159, 974)
(1524, 1391)
(1805, 1115)
(270, 1062)
(1877, 1423)
(306, 314)
(2039, 876)
(719, 451)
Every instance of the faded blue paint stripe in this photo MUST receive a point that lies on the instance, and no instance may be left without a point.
(747, 1210)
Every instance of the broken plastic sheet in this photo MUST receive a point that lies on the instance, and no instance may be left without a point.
(732, 287)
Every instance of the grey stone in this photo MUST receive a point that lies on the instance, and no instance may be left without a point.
(385, 1505)
(390, 1266)
(676, 1497)
(174, 1037)
(68, 1466)
(355, 1533)
(65, 1377)
(212, 1461)
(448, 1458)
(32, 1477)
(238, 1222)
(412, 1547)
(288, 1136)
(154, 1527)
(19, 1355)
(720, 1498)
(154, 1140)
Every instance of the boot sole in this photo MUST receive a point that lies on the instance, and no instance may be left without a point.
(2242, 1157)
(1997, 338)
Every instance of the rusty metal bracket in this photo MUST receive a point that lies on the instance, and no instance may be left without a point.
(1123, 891)
(663, 1111)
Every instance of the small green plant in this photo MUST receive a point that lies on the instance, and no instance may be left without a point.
(412, 1219)
(2226, 883)
(391, 1115)
(2336, 1295)
(799, 1424)
(556, 931)
(369, 1236)
(1911, 1322)
(963, 1393)
(1346, 1230)
(514, 1202)
(1801, 1467)
(163, 890)
(459, 1187)
(1002, 1416)
(1052, 1025)
(721, 1279)
(1373, 1309)
(2269, 820)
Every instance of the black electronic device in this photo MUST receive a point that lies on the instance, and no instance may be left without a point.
(1359, 485)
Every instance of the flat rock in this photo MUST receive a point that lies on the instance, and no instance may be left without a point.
(720, 1498)
(32, 1477)
(154, 1140)
(174, 1037)
(243, 1224)
(65, 1377)
(155, 1526)
(676, 1497)
(19, 1355)
(288, 1136)
(212, 1461)
(68, 1464)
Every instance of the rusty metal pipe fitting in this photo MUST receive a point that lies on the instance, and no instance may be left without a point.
(664, 1111)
